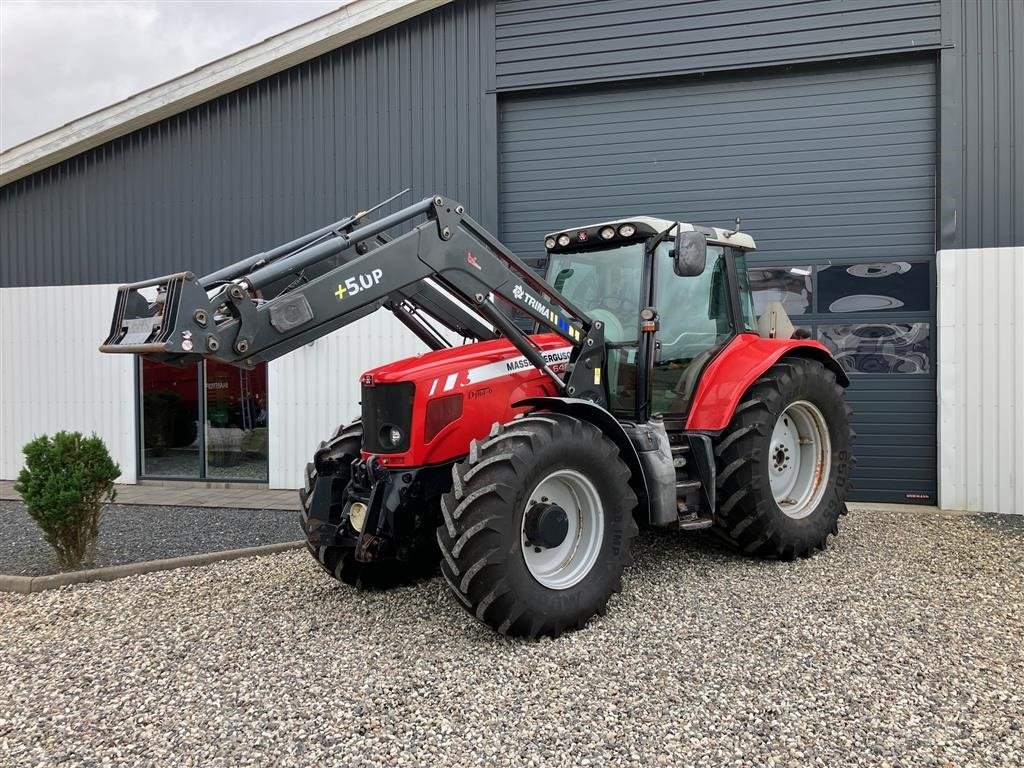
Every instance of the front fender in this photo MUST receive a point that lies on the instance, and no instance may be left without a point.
(739, 365)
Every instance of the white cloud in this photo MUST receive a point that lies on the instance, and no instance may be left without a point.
(60, 60)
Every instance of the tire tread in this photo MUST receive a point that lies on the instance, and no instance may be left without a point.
(747, 516)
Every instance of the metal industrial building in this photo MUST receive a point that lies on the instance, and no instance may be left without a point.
(873, 148)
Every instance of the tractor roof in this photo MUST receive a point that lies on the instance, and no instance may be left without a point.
(650, 225)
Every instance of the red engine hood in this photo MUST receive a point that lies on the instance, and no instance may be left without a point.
(470, 363)
(486, 377)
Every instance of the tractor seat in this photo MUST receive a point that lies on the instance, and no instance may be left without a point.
(774, 322)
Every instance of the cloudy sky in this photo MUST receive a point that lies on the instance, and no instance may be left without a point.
(61, 59)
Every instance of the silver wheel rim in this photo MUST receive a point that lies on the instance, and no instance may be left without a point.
(799, 459)
(567, 564)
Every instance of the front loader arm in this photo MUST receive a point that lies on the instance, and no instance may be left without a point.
(234, 321)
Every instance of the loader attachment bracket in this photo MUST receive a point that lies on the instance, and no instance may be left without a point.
(160, 329)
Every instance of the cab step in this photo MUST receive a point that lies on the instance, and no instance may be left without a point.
(694, 523)
(679, 453)
(689, 521)
(683, 487)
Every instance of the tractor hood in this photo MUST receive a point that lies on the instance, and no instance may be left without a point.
(458, 367)
(427, 409)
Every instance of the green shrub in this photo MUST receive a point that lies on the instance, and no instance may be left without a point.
(65, 483)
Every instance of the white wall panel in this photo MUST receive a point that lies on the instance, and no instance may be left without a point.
(52, 376)
(981, 379)
(315, 388)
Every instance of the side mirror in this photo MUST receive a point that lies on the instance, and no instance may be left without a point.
(690, 254)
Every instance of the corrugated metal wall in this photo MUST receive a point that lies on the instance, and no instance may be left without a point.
(982, 125)
(981, 381)
(79, 389)
(981, 264)
(406, 107)
(815, 160)
(557, 42)
(413, 105)
(309, 391)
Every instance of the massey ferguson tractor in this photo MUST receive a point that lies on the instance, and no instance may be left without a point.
(647, 394)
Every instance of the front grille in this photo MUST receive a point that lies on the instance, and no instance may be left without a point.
(386, 406)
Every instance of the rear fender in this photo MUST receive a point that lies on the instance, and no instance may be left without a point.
(584, 410)
(739, 365)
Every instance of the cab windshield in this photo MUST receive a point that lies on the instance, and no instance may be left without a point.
(605, 284)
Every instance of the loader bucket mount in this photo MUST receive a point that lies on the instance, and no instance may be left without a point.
(174, 328)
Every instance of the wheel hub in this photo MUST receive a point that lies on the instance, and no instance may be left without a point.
(780, 457)
(546, 525)
(562, 529)
(800, 459)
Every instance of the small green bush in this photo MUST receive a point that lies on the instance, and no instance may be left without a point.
(65, 483)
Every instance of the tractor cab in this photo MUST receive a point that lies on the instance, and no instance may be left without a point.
(670, 296)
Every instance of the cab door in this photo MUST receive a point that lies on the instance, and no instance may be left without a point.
(696, 318)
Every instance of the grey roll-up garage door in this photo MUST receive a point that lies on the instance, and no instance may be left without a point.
(832, 170)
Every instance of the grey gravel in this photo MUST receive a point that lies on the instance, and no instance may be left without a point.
(133, 533)
(902, 645)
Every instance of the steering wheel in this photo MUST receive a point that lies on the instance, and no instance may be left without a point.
(617, 304)
(613, 330)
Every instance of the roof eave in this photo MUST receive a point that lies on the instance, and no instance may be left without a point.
(353, 21)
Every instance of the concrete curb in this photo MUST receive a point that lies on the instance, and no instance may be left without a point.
(29, 584)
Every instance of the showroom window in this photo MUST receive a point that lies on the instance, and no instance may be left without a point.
(206, 421)
(875, 317)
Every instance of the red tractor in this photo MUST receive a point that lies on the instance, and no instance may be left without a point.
(648, 393)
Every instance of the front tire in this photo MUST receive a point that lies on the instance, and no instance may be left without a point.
(538, 525)
(784, 463)
(337, 556)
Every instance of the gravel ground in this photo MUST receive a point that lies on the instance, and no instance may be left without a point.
(900, 646)
(132, 533)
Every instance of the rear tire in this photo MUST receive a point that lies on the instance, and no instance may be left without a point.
(338, 559)
(543, 461)
(784, 463)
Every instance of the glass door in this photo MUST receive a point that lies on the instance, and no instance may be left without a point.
(236, 422)
(206, 421)
(170, 443)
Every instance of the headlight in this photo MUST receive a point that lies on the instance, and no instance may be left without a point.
(549, 243)
(627, 230)
(563, 240)
(607, 233)
(391, 436)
